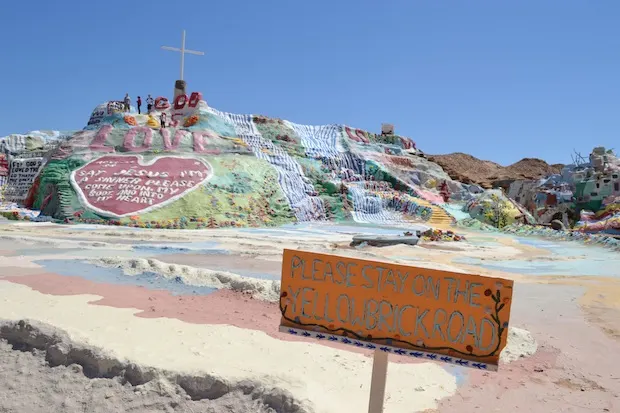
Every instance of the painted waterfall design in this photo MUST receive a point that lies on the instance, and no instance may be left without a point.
(370, 208)
(300, 193)
(325, 143)
(319, 141)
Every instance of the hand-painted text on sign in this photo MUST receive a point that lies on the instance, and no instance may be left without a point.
(21, 176)
(421, 311)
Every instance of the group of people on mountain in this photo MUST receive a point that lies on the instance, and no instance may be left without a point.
(149, 107)
(149, 103)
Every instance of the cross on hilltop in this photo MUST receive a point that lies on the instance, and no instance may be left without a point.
(182, 50)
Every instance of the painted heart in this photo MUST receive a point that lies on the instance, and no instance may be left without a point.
(119, 186)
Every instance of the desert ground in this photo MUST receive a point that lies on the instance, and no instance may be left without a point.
(107, 319)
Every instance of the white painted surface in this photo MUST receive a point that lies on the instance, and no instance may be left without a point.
(327, 379)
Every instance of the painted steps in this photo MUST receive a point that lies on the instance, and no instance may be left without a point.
(439, 216)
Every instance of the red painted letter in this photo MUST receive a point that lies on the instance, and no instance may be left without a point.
(194, 99)
(407, 143)
(175, 122)
(362, 136)
(178, 136)
(180, 101)
(351, 135)
(98, 144)
(199, 142)
(130, 137)
(161, 103)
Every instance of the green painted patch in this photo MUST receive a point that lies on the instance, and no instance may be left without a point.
(243, 191)
(280, 134)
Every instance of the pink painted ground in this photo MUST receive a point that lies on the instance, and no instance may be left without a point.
(575, 370)
(220, 307)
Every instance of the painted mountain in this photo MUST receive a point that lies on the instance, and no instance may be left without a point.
(206, 168)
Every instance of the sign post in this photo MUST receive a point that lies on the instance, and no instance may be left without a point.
(427, 314)
(377, 382)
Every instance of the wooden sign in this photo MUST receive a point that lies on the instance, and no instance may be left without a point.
(428, 314)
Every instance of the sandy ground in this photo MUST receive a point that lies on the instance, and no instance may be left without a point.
(29, 385)
(230, 337)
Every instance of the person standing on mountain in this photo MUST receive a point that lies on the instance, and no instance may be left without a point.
(162, 120)
(149, 103)
(139, 102)
(444, 191)
(127, 101)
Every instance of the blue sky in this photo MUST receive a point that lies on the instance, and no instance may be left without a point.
(501, 80)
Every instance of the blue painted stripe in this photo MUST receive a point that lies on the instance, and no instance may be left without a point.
(103, 275)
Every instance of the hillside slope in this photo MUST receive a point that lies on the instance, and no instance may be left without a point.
(207, 168)
(469, 169)
(217, 169)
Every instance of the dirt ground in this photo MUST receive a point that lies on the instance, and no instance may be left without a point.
(29, 385)
(573, 318)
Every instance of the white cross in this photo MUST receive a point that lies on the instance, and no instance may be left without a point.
(183, 50)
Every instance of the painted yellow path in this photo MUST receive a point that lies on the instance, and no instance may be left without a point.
(439, 217)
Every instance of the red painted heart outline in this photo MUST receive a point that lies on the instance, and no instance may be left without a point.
(123, 167)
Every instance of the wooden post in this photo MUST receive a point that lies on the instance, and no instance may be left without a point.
(377, 383)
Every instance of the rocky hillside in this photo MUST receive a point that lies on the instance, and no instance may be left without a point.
(469, 169)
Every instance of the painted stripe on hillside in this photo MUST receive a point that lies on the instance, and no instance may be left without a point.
(294, 184)
(319, 141)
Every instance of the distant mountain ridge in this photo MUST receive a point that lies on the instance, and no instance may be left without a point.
(466, 168)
